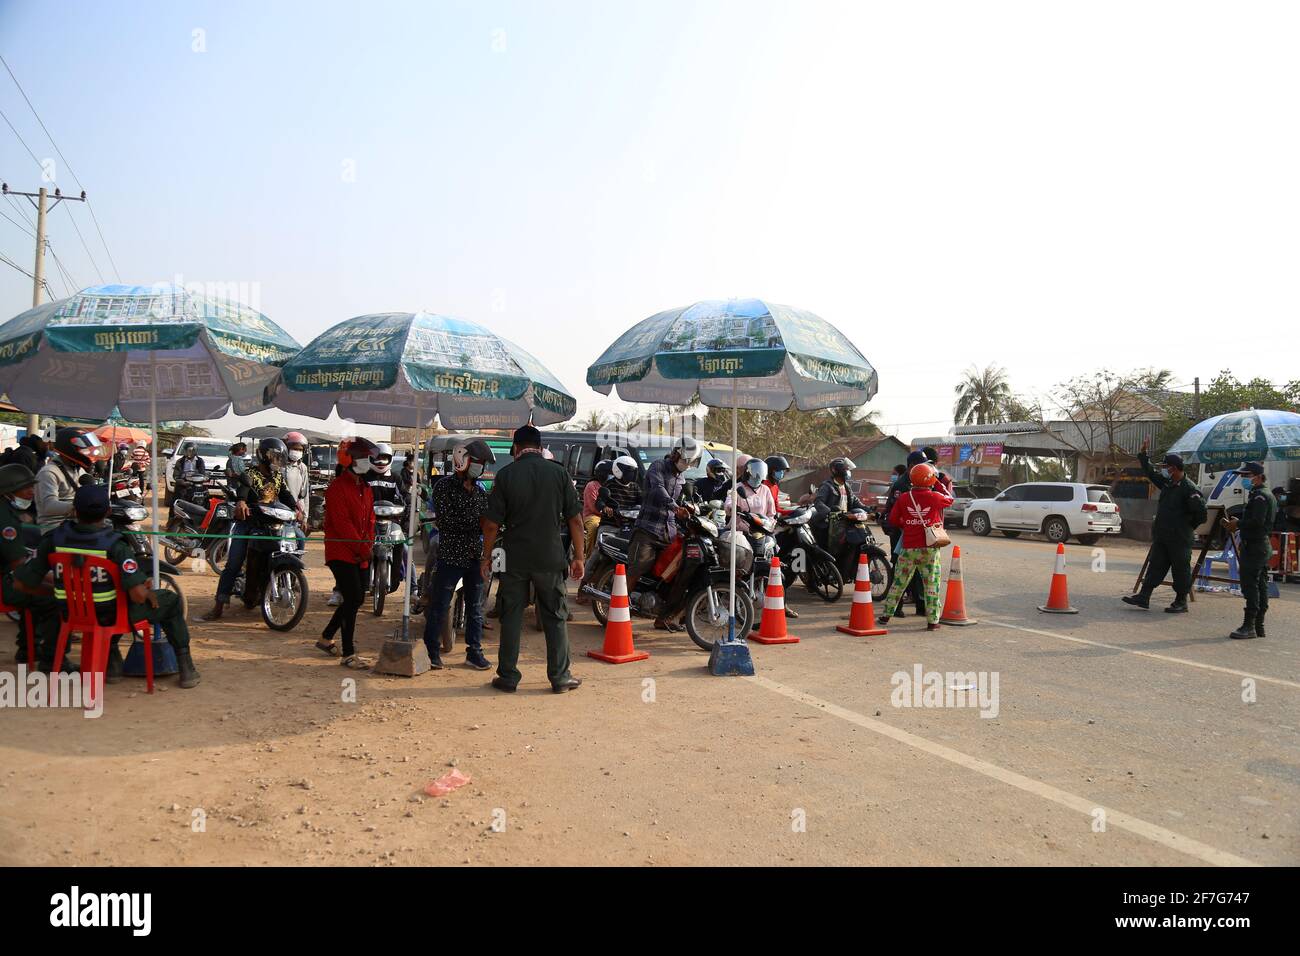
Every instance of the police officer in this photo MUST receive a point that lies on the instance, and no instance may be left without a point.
(1256, 522)
(18, 532)
(87, 533)
(1180, 510)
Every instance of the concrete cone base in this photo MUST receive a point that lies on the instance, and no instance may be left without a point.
(402, 658)
(731, 659)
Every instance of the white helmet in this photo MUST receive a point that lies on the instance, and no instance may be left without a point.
(624, 468)
(690, 452)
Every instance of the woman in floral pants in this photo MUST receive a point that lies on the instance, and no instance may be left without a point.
(913, 511)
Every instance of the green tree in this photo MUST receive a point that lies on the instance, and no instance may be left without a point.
(850, 421)
(982, 396)
(1225, 394)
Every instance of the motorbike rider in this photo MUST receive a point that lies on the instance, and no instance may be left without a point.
(618, 492)
(590, 513)
(18, 533)
(60, 476)
(751, 496)
(834, 497)
(297, 478)
(187, 470)
(385, 487)
(716, 483)
(263, 484)
(88, 534)
(656, 525)
(236, 466)
(777, 466)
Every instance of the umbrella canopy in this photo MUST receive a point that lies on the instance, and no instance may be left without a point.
(83, 356)
(775, 355)
(378, 369)
(112, 434)
(1250, 435)
(279, 431)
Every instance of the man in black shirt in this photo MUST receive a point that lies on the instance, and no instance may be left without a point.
(459, 503)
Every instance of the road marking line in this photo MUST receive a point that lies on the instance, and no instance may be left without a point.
(1158, 657)
(1149, 831)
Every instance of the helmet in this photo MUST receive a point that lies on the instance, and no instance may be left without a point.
(462, 456)
(777, 466)
(624, 468)
(604, 468)
(77, 445)
(923, 475)
(190, 449)
(689, 452)
(755, 472)
(381, 457)
(741, 462)
(841, 468)
(295, 438)
(354, 450)
(271, 451)
(716, 468)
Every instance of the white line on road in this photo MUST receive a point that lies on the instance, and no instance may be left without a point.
(1127, 650)
(1149, 831)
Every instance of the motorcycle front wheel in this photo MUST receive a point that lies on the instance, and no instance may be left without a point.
(707, 626)
(823, 579)
(215, 554)
(176, 548)
(603, 581)
(378, 585)
(882, 573)
(285, 613)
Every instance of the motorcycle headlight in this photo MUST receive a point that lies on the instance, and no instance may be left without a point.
(135, 514)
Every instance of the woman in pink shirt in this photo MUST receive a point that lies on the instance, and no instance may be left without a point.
(754, 496)
(913, 511)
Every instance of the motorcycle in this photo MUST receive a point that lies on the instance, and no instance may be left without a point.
(191, 520)
(124, 514)
(388, 536)
(316, 514)
(273, 574)
(697, 553)
(854, 538)
(802, 557)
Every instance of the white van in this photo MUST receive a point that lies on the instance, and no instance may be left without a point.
(1224, 488)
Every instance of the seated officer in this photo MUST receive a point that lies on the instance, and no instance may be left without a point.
(88, 534)
(18, 532)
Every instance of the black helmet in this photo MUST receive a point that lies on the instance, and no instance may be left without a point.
(603, 469)
(777, 466)
(717, 468)
(272, 452)
(841, 468)
(76, 444)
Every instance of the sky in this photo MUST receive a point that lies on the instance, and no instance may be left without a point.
(1049, 187)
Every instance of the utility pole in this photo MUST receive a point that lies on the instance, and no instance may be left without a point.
(38, 199)
(1196, 398)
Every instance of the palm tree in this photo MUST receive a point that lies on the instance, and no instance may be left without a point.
(851, 421)
(982, 396)
(594, 422)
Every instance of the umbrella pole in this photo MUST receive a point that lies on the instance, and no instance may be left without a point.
(735, 506)
(410, 536)
(153, 462)
(731, 657)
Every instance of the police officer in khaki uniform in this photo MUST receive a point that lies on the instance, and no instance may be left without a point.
(1256, 522)
(87, 534)
(1179, 512)
(18, 533)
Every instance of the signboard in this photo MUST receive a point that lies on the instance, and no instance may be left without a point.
(988, 455)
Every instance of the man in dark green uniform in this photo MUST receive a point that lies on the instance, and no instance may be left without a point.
(530, 497)
(87, 534)
(19, 532)
(1256, 522)
(1180, 510)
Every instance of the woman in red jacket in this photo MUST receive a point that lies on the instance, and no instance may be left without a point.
(913, 510)
(349, 538)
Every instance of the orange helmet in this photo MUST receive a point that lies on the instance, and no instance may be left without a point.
(923, 475)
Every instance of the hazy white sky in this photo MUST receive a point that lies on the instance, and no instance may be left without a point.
(1053, 187)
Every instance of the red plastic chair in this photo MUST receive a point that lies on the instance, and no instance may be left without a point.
(29, 627)
(81, 618)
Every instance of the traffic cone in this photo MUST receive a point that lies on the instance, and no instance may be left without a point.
(1058, 598)
(772, 630)
(954, 601)
(862, 615)
(618, 626)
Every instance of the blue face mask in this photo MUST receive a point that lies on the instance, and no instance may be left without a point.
(753, 481)
(777, 476)
(1247, 483)
(1164, 472)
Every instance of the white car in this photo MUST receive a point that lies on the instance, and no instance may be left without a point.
(1056, 509)
(212, 453)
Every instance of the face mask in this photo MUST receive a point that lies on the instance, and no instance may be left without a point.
(1247, 483)
(777, 476)
(753, 481)
(359, 469)
(1164, 472)
(474, 470)
(22, 504)
(295, 455)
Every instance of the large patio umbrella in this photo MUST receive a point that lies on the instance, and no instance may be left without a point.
(406, 368)
(145, 350)
(1250, 435)
(735, 353)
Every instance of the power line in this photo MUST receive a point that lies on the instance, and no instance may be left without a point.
(34, 157)
(20, 225)
(67, 165)
(93, 263)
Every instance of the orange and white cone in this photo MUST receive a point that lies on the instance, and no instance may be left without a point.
(618, 626)
(862, 616)
(772, 628)
(954, 600)
(1058, 598)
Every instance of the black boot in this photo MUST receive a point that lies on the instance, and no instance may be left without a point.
(1179, 606)
(189, 676)
(1142, 600)
(1247, 629)
(113, 670)
(1259, 623)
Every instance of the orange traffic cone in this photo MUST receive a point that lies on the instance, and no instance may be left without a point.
(618, 626)
(862, 616)
(1058, 598)
(954, 601)
(772, 629)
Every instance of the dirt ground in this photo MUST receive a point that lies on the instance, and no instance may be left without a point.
(659, 763)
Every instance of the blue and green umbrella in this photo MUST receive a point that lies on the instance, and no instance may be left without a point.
(1250, 435)
(403, 368)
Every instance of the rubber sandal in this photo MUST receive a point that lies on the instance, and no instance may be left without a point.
(669, 626)
(356, 662)
(329, 647)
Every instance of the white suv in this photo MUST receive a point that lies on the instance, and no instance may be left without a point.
(1057, 509)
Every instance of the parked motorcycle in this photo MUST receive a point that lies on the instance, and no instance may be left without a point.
(696, 553)
(802, 557)
(191, 520)
(273, 574)
(853, 537)
(388, 537)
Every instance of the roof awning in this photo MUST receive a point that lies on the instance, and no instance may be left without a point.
(1035, 444)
